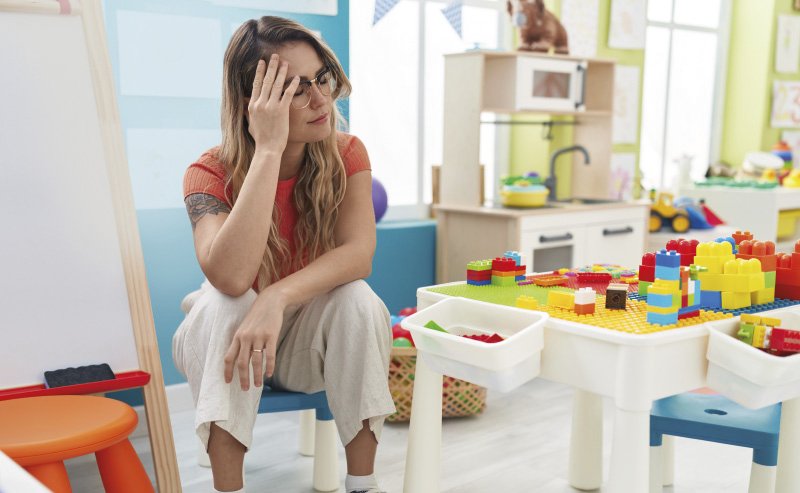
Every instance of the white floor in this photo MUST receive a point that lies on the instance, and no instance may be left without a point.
(519, 444)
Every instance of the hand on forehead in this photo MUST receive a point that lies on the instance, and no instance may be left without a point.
(303, 60)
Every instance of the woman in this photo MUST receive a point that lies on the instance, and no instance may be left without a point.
(284, 231)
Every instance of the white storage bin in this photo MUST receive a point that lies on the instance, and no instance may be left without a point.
(499, 366)
(750, 376)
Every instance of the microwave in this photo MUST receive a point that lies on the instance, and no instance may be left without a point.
(550, 84)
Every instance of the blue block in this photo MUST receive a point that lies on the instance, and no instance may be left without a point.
(519, 278)
(729, 240)
(687, 309)
(710, 299)
(662, 319)
(659, 300)
(515, 255)
(687, 415)
(778, 303)
(668, 273)
(479, 283)
(668, 258)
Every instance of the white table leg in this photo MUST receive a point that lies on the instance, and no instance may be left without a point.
(788, 476)
(424, 453)
(668, 465)
(586, 441)
(656, 468)
(630, 452)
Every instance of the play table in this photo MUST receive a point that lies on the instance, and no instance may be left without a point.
(632, 367)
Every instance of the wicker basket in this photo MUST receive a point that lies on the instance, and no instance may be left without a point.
(459, 398)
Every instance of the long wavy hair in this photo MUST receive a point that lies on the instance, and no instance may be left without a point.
(321, 180)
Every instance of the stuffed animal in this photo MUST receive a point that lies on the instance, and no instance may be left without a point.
(539, 29)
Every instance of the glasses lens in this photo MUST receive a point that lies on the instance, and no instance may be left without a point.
(325, 83)
(300, 101)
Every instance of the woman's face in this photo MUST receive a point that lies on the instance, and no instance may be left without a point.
(312, 123)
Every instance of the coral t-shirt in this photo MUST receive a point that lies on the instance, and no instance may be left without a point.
(207, 175)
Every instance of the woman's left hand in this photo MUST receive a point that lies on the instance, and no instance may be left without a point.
(255, 342)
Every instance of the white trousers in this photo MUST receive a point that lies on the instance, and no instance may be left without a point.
(338, 342)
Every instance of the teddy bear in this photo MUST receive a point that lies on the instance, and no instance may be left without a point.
(539, 29)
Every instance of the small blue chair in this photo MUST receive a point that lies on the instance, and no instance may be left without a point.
(318, 434)
(715, 418)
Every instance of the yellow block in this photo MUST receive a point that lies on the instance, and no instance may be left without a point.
(732, 300)
(711, 282)
(749, 318)
(661, 310)
(766, 295)
(660, 286)
(758, 336)
(561, 299)
(527, 302)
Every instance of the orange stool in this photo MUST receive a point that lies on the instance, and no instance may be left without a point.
(39, 433)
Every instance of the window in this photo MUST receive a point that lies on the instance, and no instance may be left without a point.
(397, 71)
(684, 82)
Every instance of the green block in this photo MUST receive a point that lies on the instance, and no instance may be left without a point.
(643, 285)
(504, 281)
(745, 333)
(677, 300)
(434, 326)
(769, 279)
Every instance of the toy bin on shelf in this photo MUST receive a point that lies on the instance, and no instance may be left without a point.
(499, 366)
(747, 375)
(459, 398)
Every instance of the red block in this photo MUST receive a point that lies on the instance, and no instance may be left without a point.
(504, 264)
(649, 259)
(787, 292)
(647, 273)
(594, 277)
(740, 236)
(479, 275)
(587, 309)
(685, 300)
(787, 277)
(785, 340)
(695, 313)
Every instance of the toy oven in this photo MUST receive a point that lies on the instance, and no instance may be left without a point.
(550, 85)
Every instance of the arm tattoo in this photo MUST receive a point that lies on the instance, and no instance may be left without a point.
(200, 204)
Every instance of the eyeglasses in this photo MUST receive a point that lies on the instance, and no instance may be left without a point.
(324, 82)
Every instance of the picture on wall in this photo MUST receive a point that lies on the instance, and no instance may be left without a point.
(785, 104)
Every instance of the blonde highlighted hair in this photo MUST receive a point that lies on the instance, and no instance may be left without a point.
(321, 180)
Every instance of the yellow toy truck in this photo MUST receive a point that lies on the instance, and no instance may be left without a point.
(663, 213)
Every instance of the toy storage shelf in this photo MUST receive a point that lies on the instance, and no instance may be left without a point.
(756, 210)
(494, 81)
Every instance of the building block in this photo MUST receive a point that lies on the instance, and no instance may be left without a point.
(585, 309)
(662, 310)
(668, 273)
(659, 300)
(549, 280)
(662, 319)
(769, 279)
(688, 314)
(528, 302)
(740, 236)
(594, 277)
(710, 299)
(762, 296)
(480, 265)
(732, 300)
(561, 299)
(479, 283)
(503, 280)
(479, 275)
(513, 255)
(585, 296)
(787, 292)
(616, 296)
(784, 340)
(643, 286)
(504, 264)
(764, 251)
(713, 255)
(666, 258)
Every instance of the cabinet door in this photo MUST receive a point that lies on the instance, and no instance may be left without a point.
(552, 249)
(620, 242)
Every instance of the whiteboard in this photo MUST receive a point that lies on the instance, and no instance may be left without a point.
(72, 281)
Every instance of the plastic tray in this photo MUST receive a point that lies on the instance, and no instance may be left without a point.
(749, 376)
(500, 366)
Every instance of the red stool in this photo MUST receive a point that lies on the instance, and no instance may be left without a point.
(39, 433)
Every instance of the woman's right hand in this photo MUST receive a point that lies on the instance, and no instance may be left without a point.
(269, 105)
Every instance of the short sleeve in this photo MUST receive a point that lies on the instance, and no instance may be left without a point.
(354, 154)
(206, 175)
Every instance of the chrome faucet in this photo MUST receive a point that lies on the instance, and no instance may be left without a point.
(550, 182)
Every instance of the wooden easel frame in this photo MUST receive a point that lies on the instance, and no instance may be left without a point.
(155, 402)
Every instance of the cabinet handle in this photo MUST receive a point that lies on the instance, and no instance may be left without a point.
(581, 69)
(548, 239)
(621, 231)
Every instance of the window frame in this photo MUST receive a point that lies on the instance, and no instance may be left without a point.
(422, 208)
(722, 32)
